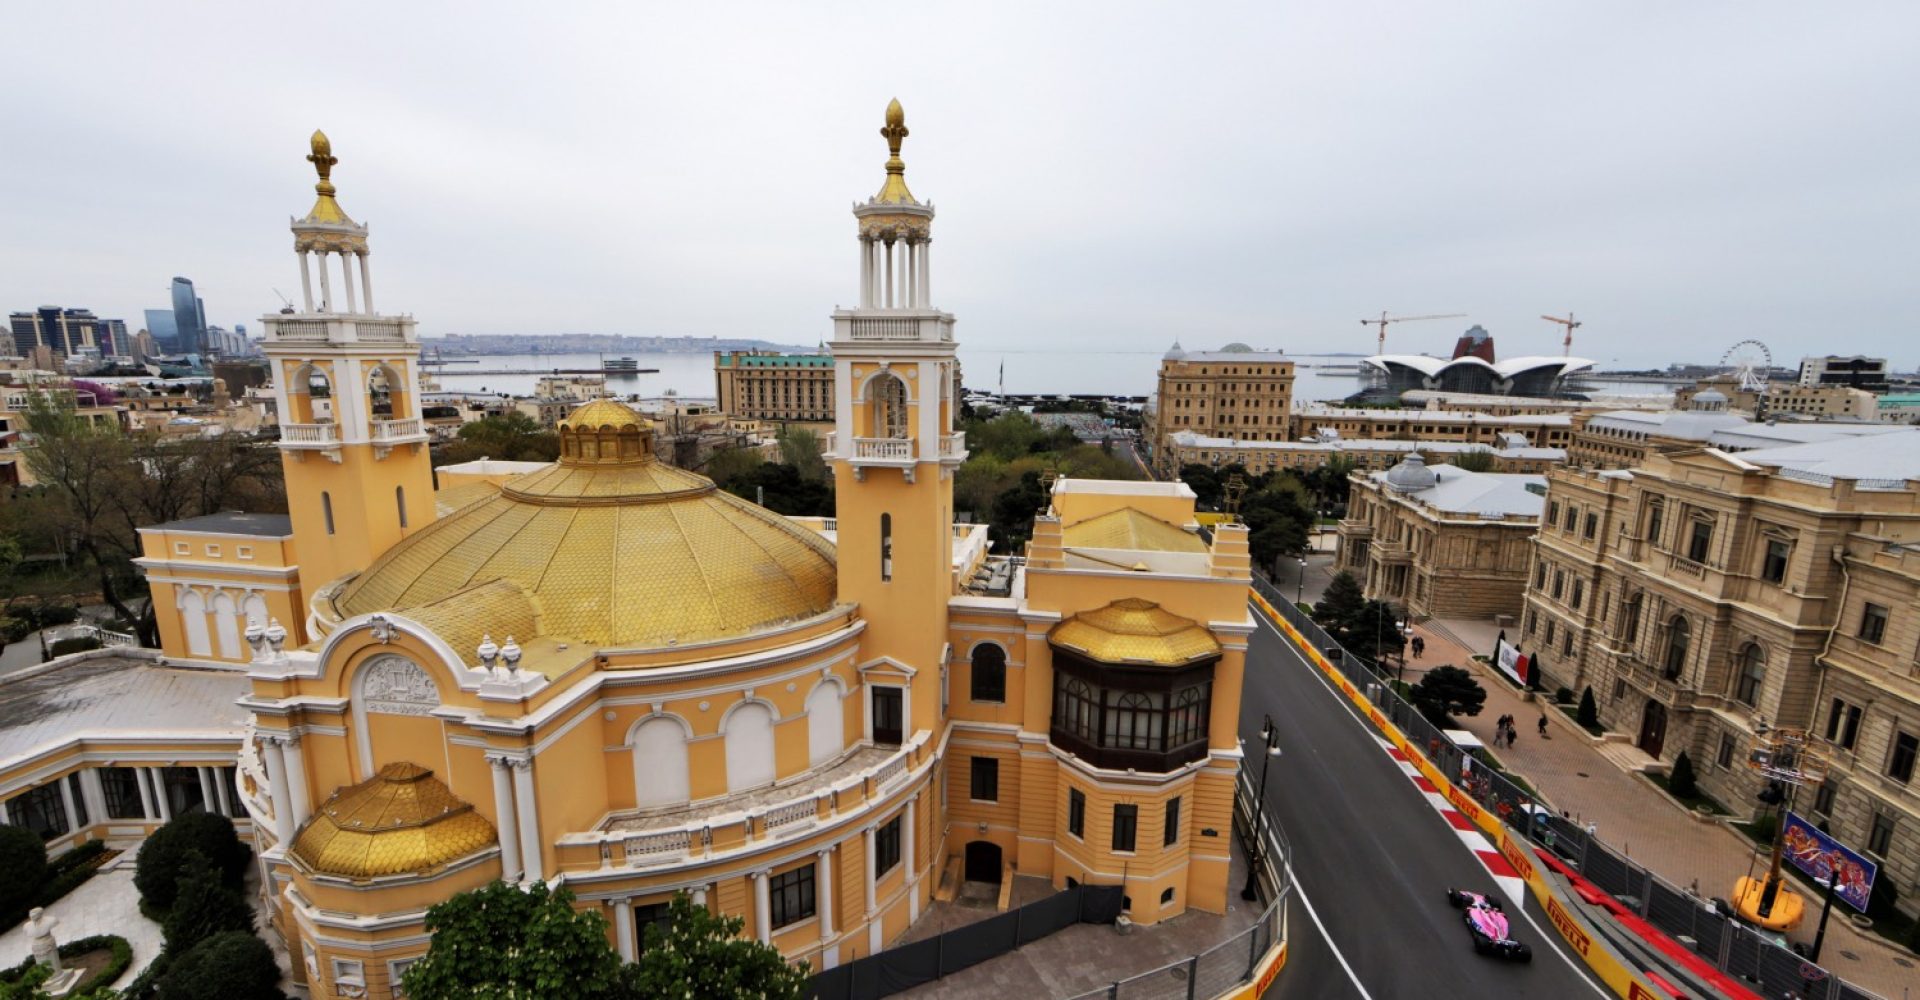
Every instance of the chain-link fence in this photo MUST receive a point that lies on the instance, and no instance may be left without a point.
(1735, 948)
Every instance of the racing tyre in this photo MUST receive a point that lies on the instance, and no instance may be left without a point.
(1457, 899)
(1522, 953)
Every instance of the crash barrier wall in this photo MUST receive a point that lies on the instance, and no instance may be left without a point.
(1492, 800)
(896, 969)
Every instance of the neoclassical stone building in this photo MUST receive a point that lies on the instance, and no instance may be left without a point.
(1441, 541)
(606, 673)
(1705, 594)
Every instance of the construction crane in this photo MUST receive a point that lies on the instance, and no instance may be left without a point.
(1566, 345)
(1385, 319)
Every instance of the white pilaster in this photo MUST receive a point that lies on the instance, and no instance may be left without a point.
(66, 800)
(159, 776)
(866, 272)
(297, 782)
(762, 908)
(823, 895)
(910, 284)
(282, 801)
(326, 286)
(147, 808)
(873, 879)
(366, 283)
(529, 818)
(220, 786)
(93, 794)
(506, 821)
(306, 281)
(623, 928)
(926, 280)
(907, 837)
(889, 301)
(346, 277)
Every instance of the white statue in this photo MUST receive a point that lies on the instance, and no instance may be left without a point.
(46, 950)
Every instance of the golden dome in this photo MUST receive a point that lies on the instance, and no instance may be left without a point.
(400, 821)
(604, 413)
(1135, 631)
(616, 549)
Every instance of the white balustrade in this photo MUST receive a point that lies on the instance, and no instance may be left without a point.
(804, 811)
(391, 430)
(886, 449)
(379, 329)
(321, 434)
(658, 846)
(297, 329)
(886, 328)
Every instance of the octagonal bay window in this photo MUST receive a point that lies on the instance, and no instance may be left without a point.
(1132, 687)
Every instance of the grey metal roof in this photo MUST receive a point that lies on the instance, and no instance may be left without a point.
(1484, 494)
(1892, 458)
(234, 522)
(116, 696)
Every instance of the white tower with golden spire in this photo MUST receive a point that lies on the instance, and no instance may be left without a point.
(351, 439)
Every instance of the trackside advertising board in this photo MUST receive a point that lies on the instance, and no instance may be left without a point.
(1821, 857)
(1513, 663)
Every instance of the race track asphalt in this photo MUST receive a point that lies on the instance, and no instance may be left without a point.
(1373, 858)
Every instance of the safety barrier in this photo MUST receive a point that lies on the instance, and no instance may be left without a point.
(1493, 801)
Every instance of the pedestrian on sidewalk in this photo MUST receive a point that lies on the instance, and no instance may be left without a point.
(1419, 647)
(1543, 727)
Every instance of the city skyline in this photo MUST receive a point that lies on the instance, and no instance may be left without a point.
(1680, 181)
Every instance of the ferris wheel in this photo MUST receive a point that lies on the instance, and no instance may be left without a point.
(1750, 363)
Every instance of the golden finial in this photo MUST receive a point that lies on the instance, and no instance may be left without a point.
(323, 160)
(895, 190)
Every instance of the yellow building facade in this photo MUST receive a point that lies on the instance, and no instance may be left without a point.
(608, 674)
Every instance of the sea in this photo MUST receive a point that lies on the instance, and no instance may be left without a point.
(1026, 372)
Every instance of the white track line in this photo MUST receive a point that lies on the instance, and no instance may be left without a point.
(1554, 942)
(1301, 891)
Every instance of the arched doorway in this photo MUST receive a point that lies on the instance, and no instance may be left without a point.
(983, 861)
(1653, 728)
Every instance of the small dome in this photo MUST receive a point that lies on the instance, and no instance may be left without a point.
(1711, 399)
(604, 413)
(1411, 474)
(1236, 348)
(1174, 353)
(402, 820)
(1135, 631)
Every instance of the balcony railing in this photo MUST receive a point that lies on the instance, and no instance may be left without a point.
(380, 329)
(1688, 567)
(396, 430)
(297, 329)
(312, 435)
(883, 449)
(954, 446)
(886, 328)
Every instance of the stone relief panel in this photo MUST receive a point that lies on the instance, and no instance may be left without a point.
(394, 685)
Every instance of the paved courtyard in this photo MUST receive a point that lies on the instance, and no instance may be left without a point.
(105, 904)
(1080, 958)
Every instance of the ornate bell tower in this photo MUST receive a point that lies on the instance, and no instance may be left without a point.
(351, 440)
(894, 449)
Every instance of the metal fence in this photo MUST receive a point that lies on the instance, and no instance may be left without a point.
(1211, 972)
(1735, 948)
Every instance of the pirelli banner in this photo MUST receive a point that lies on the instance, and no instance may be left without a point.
(1607, 966)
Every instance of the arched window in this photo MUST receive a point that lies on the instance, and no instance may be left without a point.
(749, 735)
(1133, 722)
(826, 725)
(1753, 671)
(193, 614)
(1078, 708)
(380, 393)
(400, 501)
(989, 673)
(1187, 722)
(660, 776)
(887, 396)
(326, 509)
(886, 547)
(226, 621)
(318, 385)
(1679, 633)
(1630, 621)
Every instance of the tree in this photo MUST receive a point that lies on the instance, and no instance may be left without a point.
(699, 955)
(1589, 713)
(800, 448)
(203, 905)
(231, 965)
(725, 465)
(1208, 485)
(1372, 633)
(781, 489)
(504, 942)
(85, 465)
(1446, 692)
(1339, 604)
(23, 870)
(1014, 511)
(210, 835)
(1278, 516)
(510, 437)
(1478, 460)
(1680, 781)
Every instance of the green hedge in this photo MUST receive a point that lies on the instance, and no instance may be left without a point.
(72, 644)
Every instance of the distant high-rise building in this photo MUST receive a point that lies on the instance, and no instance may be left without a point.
(166, 336)
(64, 332)
(189, 318)
(114, 338)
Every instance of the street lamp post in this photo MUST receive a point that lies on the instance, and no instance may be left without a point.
(1270, 738)
(1400, 629)
(1300, 583)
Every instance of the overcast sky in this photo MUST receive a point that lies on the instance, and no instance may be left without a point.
(1109, 176)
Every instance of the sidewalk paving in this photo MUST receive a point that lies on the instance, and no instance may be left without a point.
(1631, 814)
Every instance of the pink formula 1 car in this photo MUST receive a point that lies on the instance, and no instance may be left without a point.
(1487, 923)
